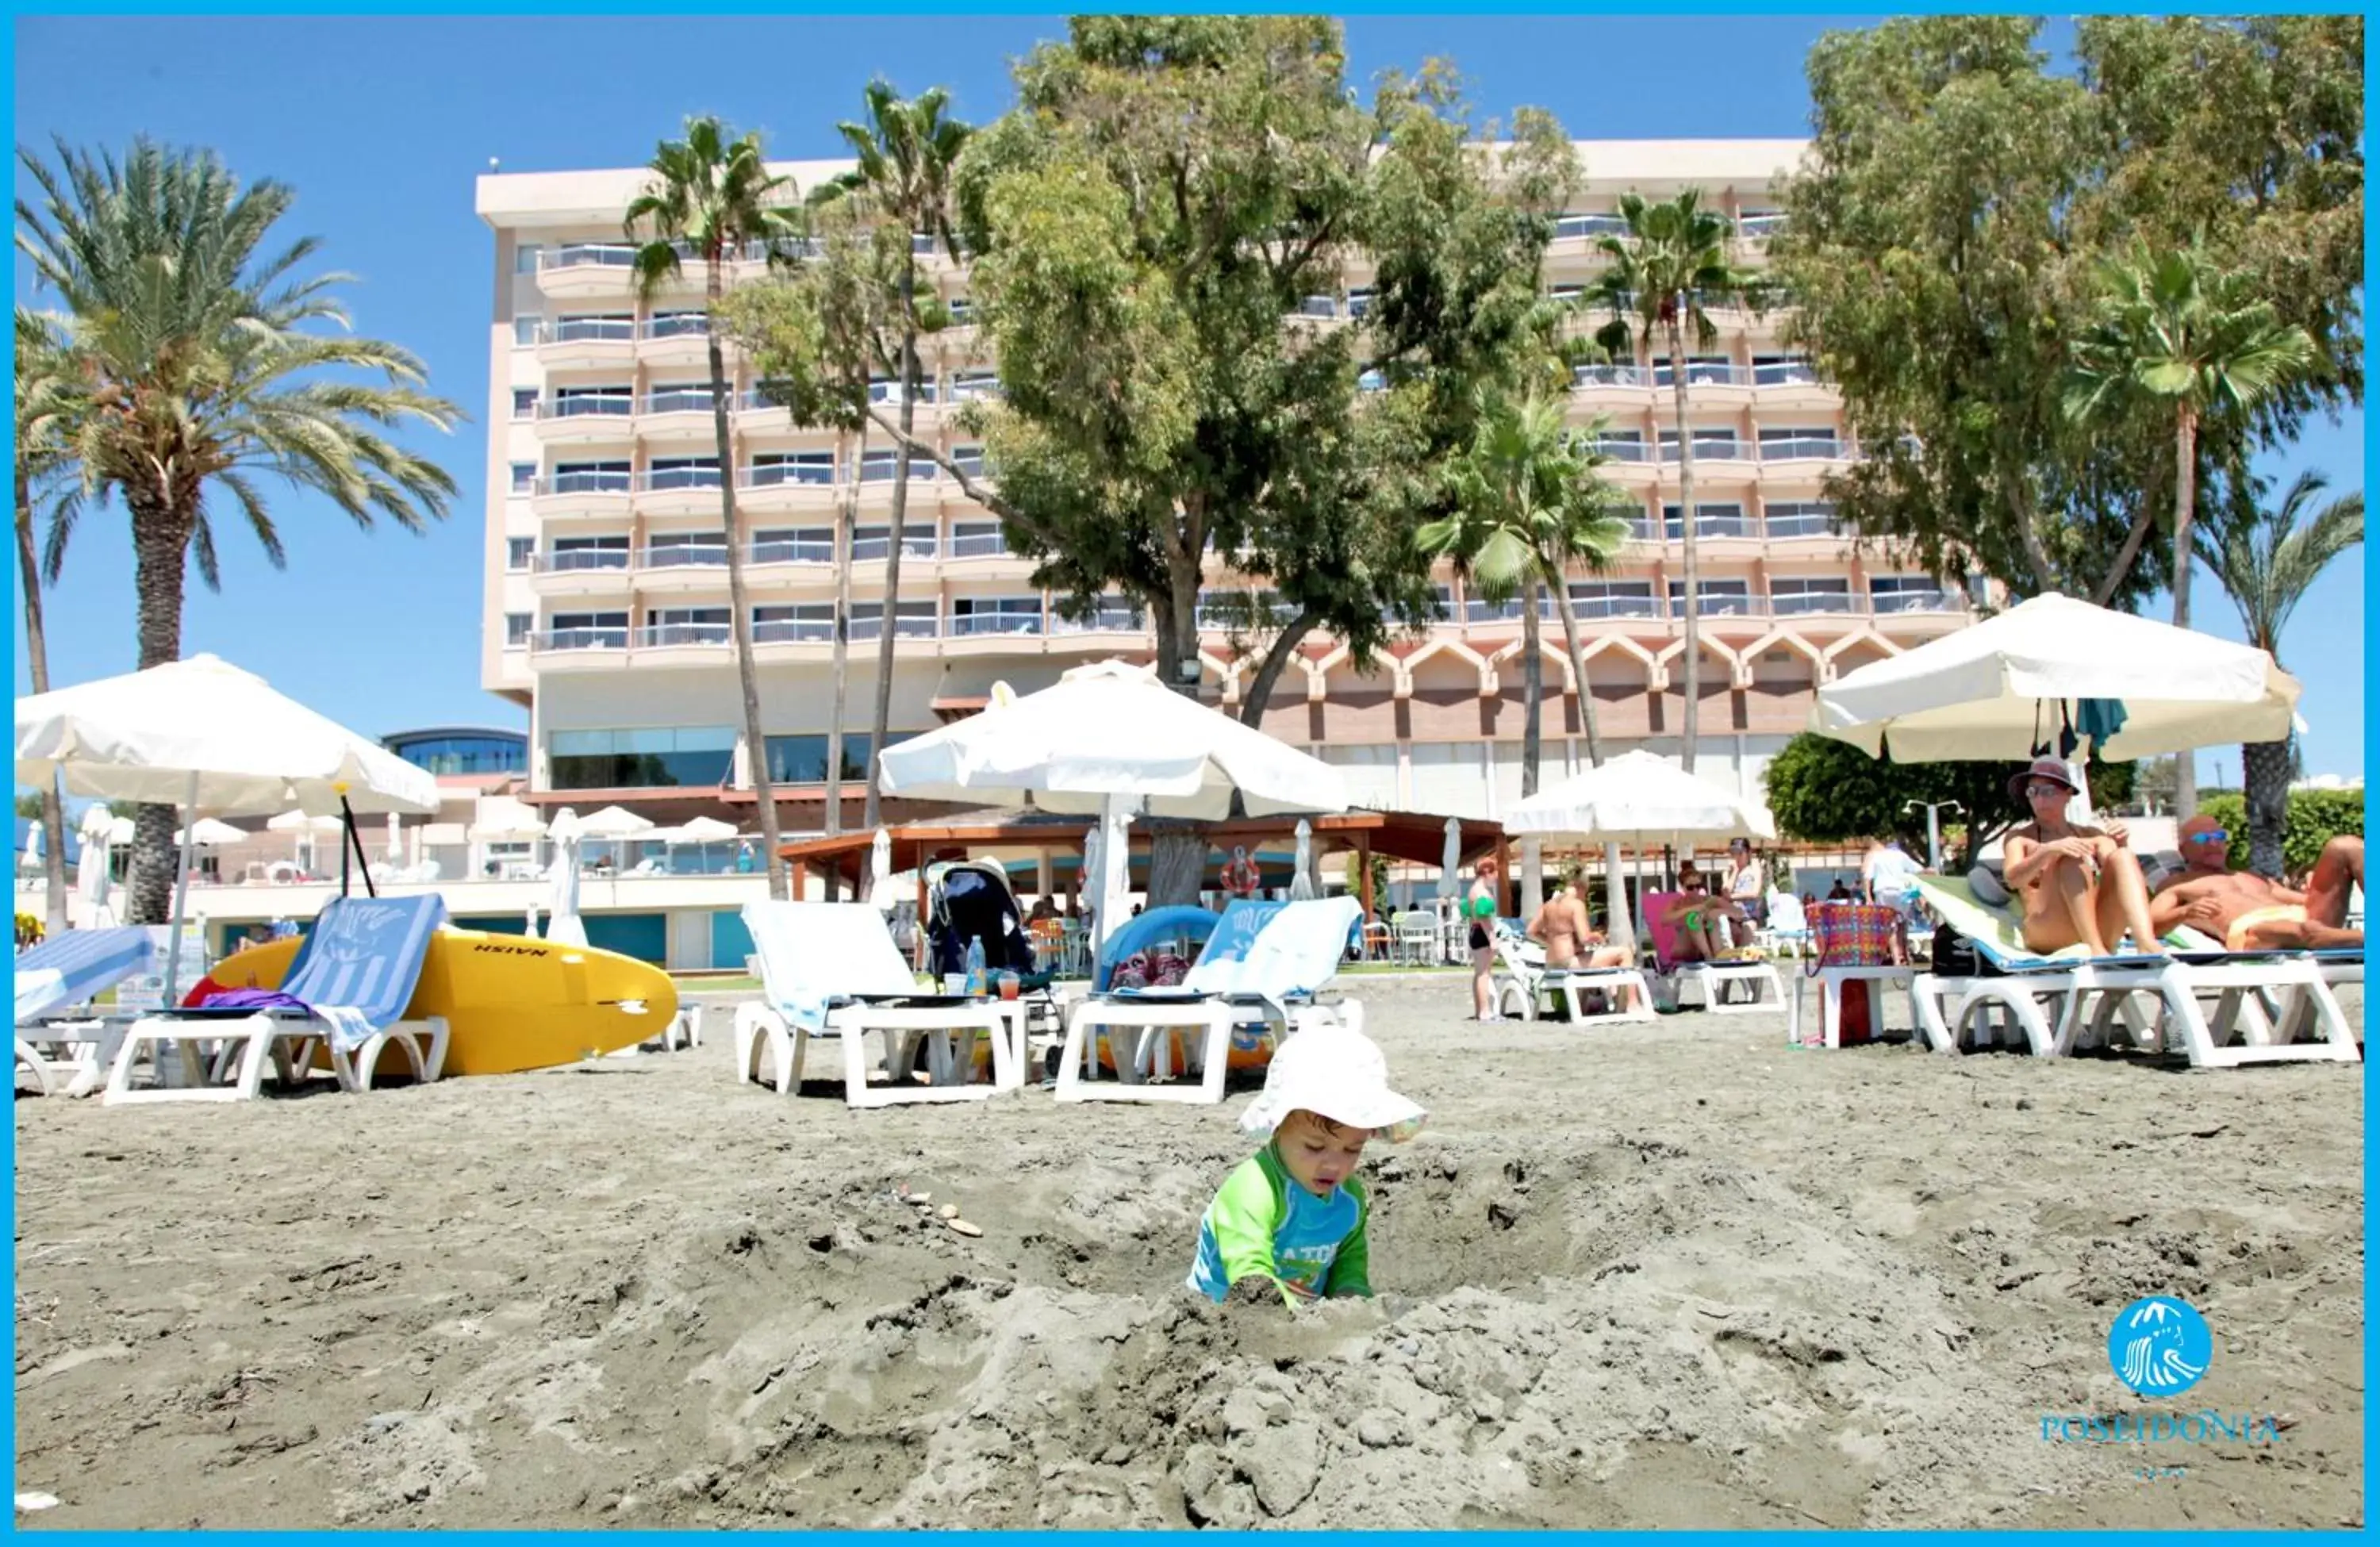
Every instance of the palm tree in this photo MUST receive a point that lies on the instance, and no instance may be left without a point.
(1675, 258)
(2176, 330)
(2267, 558)
(47, 406)
(1528, 503)
(184, 331)
(905, 152)
(708, 198)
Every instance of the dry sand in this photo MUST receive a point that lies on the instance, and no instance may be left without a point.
(1652, 1275)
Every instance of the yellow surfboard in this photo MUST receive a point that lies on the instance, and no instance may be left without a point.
(511, 1003)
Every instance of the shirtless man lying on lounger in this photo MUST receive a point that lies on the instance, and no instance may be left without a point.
(2248, 912)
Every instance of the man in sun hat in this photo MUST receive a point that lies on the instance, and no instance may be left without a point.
(1291, 1217)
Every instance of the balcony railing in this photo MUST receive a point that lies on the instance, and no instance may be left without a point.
(583, 483)
(1808, 602)
(663, 479)
(979, 544)
(913, 545)
(795, 631)
(579, 330)
(1799, 524)
(965, 624)
(1574, 225)
(608, 406)
(1107, 620)
(1623, 451)
(678, 400)
(695, 325)
(1611, 376)
(1786, 372)
(571, 561)
(1917, 602)
(1597, 607)
(1710, 373)
(792, 550)
(869, 625)
(661, 635)
(581, 255)
(1759, 227)
(1713, 449)
(580, 638)
(771, 475)
(683, 556)
(1823, 447)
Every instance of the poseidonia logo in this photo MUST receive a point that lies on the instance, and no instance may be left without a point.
(2159, 1346)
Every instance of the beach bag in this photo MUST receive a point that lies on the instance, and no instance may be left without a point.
(1851, 934)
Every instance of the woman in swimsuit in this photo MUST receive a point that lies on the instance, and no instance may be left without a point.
(2078, 883)
(1479, 905)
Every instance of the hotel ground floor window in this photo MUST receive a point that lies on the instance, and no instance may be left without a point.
(667, 757)
(801, 759)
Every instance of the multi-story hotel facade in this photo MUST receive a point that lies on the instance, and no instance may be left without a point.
(606, 608)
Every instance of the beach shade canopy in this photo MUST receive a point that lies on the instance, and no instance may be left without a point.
(563, 921)
(701, 830)
(501, 816)
(879, 871)
(1640, 797)
(91, 873)
(1301, 881)
(207, 832)
(614, 822)
(296, 821)
(2133, 687)
(1108, 730)
(1450, 863)
(208, 737)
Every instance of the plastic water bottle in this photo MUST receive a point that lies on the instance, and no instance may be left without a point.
(975, 976)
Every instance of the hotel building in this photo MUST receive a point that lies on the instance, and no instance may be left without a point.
(606, 609)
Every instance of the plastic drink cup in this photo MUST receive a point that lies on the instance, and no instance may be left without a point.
(1008, 985)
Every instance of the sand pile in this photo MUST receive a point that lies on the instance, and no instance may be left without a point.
(1661, 1275)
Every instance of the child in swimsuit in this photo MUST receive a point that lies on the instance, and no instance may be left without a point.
(1289, 1220)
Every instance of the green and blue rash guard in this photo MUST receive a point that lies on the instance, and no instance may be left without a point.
(1264, 1224)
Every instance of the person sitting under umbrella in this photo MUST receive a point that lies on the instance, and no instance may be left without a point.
(2078, 884)
(1563, 928)
(2248, 912)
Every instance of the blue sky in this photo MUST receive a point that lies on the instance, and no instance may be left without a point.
(381, 123)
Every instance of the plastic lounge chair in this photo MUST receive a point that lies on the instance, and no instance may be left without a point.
(348, 986)
(68, 1052)
(2070, 982)
(831, 969)
(1265, 963)
(1523, 983)
(1707, 978)
(1787, 930)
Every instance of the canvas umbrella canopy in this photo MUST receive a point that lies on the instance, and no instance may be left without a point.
(879, 871)
(563, 922)
(2133, 687)
(306, 826)
(207, 832)
(214, 741)
(1110, 740)
(1301, 881)
(90, 874)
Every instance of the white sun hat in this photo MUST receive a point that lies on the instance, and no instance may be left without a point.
(1336, 1073)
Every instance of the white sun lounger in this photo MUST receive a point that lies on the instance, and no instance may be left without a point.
(831, 969)
(349, 985)
(1525, 985)
(63, 1052)
(1263, 965)
(2087, 995)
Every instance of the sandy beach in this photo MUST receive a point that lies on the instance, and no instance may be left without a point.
(1657, 1275)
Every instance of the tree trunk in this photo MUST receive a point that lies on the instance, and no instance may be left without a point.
(161, 540)
(845, 534)
(880, 721)
(1177, 852)
(37, 664)
(1615, 886)
(1688, 719)
(1533, 687)
(1269, 671)
(739, 618)
(2185, 508)
(2265, 771)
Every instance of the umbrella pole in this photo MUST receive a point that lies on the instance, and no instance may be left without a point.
(181, 895)
(356, 839)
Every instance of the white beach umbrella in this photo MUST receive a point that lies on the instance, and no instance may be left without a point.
(308, 828)
(701, 830)
(879, 871)
(119, 830)
(1449, 860)
(1997, 689)
(1300, 883)
(207, 832)
(501, 816)
(1110, 740)
(563, 922)
(90, 874)
(211, 739)
(614, 822)
(32, 845)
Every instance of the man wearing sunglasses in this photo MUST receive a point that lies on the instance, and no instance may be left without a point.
(2248, 912)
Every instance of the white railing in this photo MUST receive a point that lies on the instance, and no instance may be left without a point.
(1611, 376)
(607, 406)
(979, 544)
(683, 556)
(569, 561)
(794, 631)
(665, 635)
(771, 475)
(580, 638)
(792, 550)
(663, 479)
(583, 483)
(1713, 449)
(581, 255)
(1788, 372)
(964, 624)
(1799, 447)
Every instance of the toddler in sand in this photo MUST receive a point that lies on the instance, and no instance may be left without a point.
(1292, 1214)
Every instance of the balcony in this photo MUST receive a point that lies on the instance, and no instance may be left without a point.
(1618, 386)
(1714, 448)
(1802, 524)
(682, 565)
(978, 625)
(1814, 603)
(581, 271)
(1804, 448)
(876, 550)
(786, 488)
(585, 418)
(580, 343)
(677, 491)
(555, 642)
(580, 572)
(685, 636)
(1759, 226)
(681, 339)
(580, 496)
(677, 414)
(974, 545)
(795, 630)
(1884, 603)
(1711, 383)
(1588, 227)
(869, 625)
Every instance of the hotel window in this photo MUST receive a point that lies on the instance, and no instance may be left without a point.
(678, 324)
(794, 623)
(523, 478)
(589, 631)
(1115, 614)
(968, 459)
(770, 469)
(969, 384)
(1359, 301)
(878, 466)
(793, 546)
(573, 554)
(577, 402)
(669, 758)
(887, 389)
(590, 478)
(675, 549)
(977, 540)
(519, 552)
(1621, 445)
(1714, 598)
(961, 309)
(524, 402)
(683, 472)
(1800, 518)
(616, 327)
(526, 329)
(876, 542)
(801, 759)
(516, 627)
(1909, 594)
(996, 614)
(524, 257)
(1814, 440)
(688, 625)
(912, 620)
(1601, 599)
(1713, 519)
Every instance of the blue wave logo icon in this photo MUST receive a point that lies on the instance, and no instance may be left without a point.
(2159, 1346)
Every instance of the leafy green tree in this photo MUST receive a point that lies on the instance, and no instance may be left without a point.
(1824, 791)
(711, 197)
(1674, 262)
(906, 151)
(2267, 558)
(188, 332)
(47, 406)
